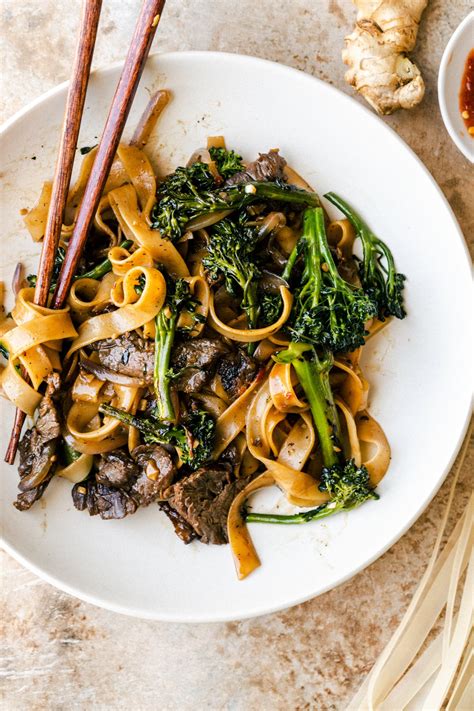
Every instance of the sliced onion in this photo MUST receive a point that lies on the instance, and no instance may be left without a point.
(17, 278)
(103, 373)
(198, 223)
(270, 283)
(271, 222)
(279, 258)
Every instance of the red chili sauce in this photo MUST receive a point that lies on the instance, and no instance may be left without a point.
(466, 94)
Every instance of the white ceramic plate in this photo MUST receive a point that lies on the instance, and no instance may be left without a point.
(416, 367)
(450, 75)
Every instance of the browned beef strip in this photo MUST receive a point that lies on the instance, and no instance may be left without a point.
(236, 371)
(203, 499)
(37, 448)
(181, 527)
(128, 354)
(196, 359)
(106, 501)
(268, 166)
(116, 469)
(122, 484)
(156, 473)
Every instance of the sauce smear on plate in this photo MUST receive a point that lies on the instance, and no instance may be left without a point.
(466, 94)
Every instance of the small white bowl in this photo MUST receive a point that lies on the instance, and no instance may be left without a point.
(449, 83)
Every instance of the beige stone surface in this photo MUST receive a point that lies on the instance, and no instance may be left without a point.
(59, 653)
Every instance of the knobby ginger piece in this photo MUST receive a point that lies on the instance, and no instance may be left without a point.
(376, 54)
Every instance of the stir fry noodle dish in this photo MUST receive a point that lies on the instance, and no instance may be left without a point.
(210, 346)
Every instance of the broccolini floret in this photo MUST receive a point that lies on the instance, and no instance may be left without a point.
(328, 311)
(377, 271)
(230, 256)
(194, 437)
(228, 162)
(192, 192)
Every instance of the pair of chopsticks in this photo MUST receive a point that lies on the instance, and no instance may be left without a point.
(124, 94)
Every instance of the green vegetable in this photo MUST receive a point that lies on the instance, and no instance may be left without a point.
(178, 299)
(347, 484)
(270, 308)
(4, 352)
(194, 437)
(378, 275)
(104, 267)
(327, 311)
(69, 453)
(230, 255)
(228, 162)
(191, 192)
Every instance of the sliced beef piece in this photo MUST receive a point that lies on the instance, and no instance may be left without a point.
(116, 469)
(268, 166)
(122, 484)
(156, 473)
(236, 371)
(181, 527)
(196, 359)
(107, 502)
(128, 354)
(38, 447)
(203, 499)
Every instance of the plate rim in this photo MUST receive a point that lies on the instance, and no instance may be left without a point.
(136, 612)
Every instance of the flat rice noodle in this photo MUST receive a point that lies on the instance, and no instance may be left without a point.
(282, 381)
(124, 203)
(244, 554)
(255, 334)
(353, 439)
(36, 218)
(134, 310)
(355, 388)
(122, 260)
(300, 488)
(232, 421)
(36, 326)
(369, 432)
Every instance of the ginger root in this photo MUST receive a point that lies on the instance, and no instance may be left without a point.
(375, 53)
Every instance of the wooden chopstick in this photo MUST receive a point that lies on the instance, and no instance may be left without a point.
(145, 29)
(137, 54)
(62, 177)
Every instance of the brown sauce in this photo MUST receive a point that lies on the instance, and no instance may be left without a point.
(466, 94)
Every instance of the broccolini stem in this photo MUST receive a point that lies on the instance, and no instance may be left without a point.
(346, 209)
(312, 276)
(103, 268)
(164, 338)
(311, 375)
(368, 239)
(250, 303)
(323, 247)
(291, 261)
(302, 517)
(270, 191)
(121, 415)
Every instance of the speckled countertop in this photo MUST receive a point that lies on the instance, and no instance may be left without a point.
(59, 653)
